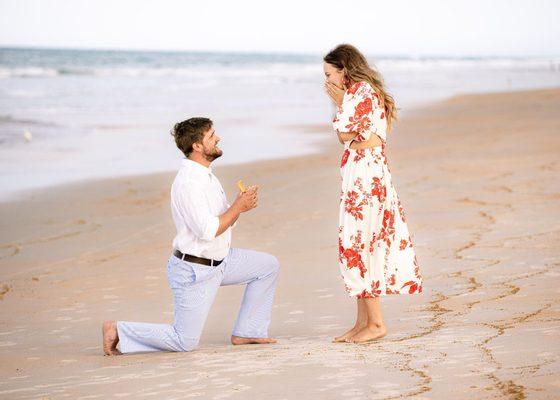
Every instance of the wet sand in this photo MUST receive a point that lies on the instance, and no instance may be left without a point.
(478, 178)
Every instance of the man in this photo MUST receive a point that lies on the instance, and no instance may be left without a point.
(202, 259)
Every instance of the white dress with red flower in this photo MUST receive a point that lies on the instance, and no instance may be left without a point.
(376, 254)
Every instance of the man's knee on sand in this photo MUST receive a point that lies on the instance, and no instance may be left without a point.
(273, 264)
(187, 343)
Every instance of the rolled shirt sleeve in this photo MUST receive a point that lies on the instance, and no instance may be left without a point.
(211, 229)
(198, 216)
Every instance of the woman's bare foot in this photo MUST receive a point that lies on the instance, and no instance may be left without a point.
(344, 338)
(237, 340)
(369, 334)
(110, 338)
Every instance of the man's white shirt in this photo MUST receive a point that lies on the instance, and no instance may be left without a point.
(197, 201)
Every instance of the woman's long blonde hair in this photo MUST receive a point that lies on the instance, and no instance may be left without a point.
(356, 69)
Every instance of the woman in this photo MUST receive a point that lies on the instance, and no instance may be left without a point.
(376, 255)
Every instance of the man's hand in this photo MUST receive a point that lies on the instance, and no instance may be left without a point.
(247, 200)
(244, 202)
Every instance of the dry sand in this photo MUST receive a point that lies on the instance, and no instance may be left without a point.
(478, 177)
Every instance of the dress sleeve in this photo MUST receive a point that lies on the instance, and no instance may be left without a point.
(360, 107)
(193, 205)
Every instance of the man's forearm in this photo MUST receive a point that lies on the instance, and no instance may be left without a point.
(235, 220)
(228, 218)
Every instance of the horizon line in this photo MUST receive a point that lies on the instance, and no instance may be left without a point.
(259, 52)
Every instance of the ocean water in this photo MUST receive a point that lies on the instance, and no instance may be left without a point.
(69, 115)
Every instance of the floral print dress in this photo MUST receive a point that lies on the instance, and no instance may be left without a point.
(376, 254)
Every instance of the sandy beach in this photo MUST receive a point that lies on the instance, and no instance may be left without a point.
(478, 178)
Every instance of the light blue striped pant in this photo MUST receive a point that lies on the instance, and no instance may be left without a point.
(194, 288)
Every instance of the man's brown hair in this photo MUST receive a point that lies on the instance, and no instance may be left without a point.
(190, 131)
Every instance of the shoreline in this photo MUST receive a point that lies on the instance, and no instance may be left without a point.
(323, 146)
(482, 201)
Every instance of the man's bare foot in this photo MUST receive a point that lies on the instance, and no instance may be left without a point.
(110, 338)
(237, 340)
(344, 338)
(369, 334)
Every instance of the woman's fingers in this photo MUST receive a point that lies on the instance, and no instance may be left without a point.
(331, 92)
(334, 87)
(334, 92)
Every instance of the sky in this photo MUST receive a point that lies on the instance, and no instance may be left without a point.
(392, 27)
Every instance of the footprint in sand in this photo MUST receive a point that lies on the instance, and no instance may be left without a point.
(9, 250)
(3, 290)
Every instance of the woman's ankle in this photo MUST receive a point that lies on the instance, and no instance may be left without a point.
(375, 324)
(360, 324)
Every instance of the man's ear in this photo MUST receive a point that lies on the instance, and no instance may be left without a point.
(197, 147)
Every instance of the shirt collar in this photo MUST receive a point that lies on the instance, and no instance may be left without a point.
(199, 168)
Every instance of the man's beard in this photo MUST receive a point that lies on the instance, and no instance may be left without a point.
(213, 154)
